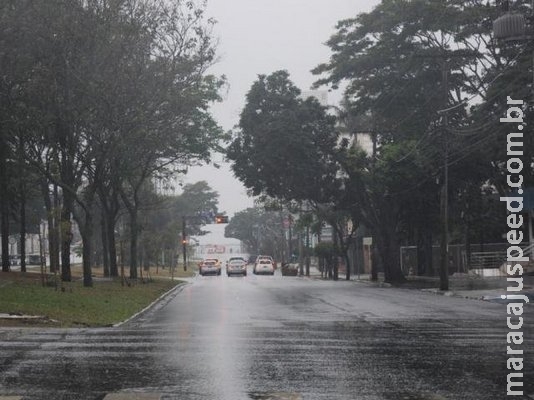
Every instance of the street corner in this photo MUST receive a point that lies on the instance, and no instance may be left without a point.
(158, 303)
(526, 297)
(451, 293)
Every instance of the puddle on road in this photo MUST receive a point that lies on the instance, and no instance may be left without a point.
(274, 396)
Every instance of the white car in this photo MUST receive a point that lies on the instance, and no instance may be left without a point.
(263, 266)
(266, 258)
(209, 267)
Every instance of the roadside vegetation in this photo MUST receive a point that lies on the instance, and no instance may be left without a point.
(415, 155)
(50, 302)
(103, 105)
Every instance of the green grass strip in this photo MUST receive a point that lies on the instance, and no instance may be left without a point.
(106, 303)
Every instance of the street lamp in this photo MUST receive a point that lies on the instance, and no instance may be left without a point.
(510, 26)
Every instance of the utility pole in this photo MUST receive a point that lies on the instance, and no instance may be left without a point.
(444, 203)
(184, 243)
(290, 239)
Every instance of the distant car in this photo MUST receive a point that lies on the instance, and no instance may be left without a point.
(266, 258)
(215, 260)
(290, 269)
(263, 266)
(236, 266)
(236, 259)
(210, 267)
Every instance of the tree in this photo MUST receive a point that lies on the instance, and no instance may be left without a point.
(260, 231)
(162, 220)
(283, 148)
(113, 109)
(288, 148)
(173, 126)
(391, 59)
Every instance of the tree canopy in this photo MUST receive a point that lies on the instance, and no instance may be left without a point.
(282, 148)
(107, 96)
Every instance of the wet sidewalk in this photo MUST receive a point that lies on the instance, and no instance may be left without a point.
(469, 286)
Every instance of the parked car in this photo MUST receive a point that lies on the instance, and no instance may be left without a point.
(290, 269)
(236, 266)
(210, 266)
(263, 266)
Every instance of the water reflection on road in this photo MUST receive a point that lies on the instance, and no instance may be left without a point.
(277, 338)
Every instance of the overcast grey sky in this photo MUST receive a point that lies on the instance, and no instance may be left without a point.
(260, 37)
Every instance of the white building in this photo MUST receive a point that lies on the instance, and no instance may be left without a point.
(215, 245)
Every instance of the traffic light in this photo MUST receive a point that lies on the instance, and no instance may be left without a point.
(184, 241)
(221, 219)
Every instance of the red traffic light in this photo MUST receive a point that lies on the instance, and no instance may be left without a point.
(221, 219)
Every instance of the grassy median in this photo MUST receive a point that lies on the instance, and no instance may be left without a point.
(70, 304)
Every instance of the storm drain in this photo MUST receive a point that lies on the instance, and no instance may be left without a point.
(274, 396)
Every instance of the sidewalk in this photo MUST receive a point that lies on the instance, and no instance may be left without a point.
(460, 285)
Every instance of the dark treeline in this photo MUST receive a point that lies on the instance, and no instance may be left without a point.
(98, 100)
(426, 83)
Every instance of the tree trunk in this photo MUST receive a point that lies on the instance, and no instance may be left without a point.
(49, 219)
(375, 259)
(110, 207)
(87, 238)
(133, 243)
(5, 234)
(4, 204)
(22, 198)
(105, 243)
(66, 236)
(301, 255)
(424, 251)
(22, 227)
(55, 229)
(389, 251)
(53, 234)
(113, 267)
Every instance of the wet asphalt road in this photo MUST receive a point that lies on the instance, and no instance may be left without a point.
(264, 337)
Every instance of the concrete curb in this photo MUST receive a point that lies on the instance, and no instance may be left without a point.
(168, 293)
(448, 293)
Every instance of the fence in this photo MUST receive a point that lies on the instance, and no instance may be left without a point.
(489, 255)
